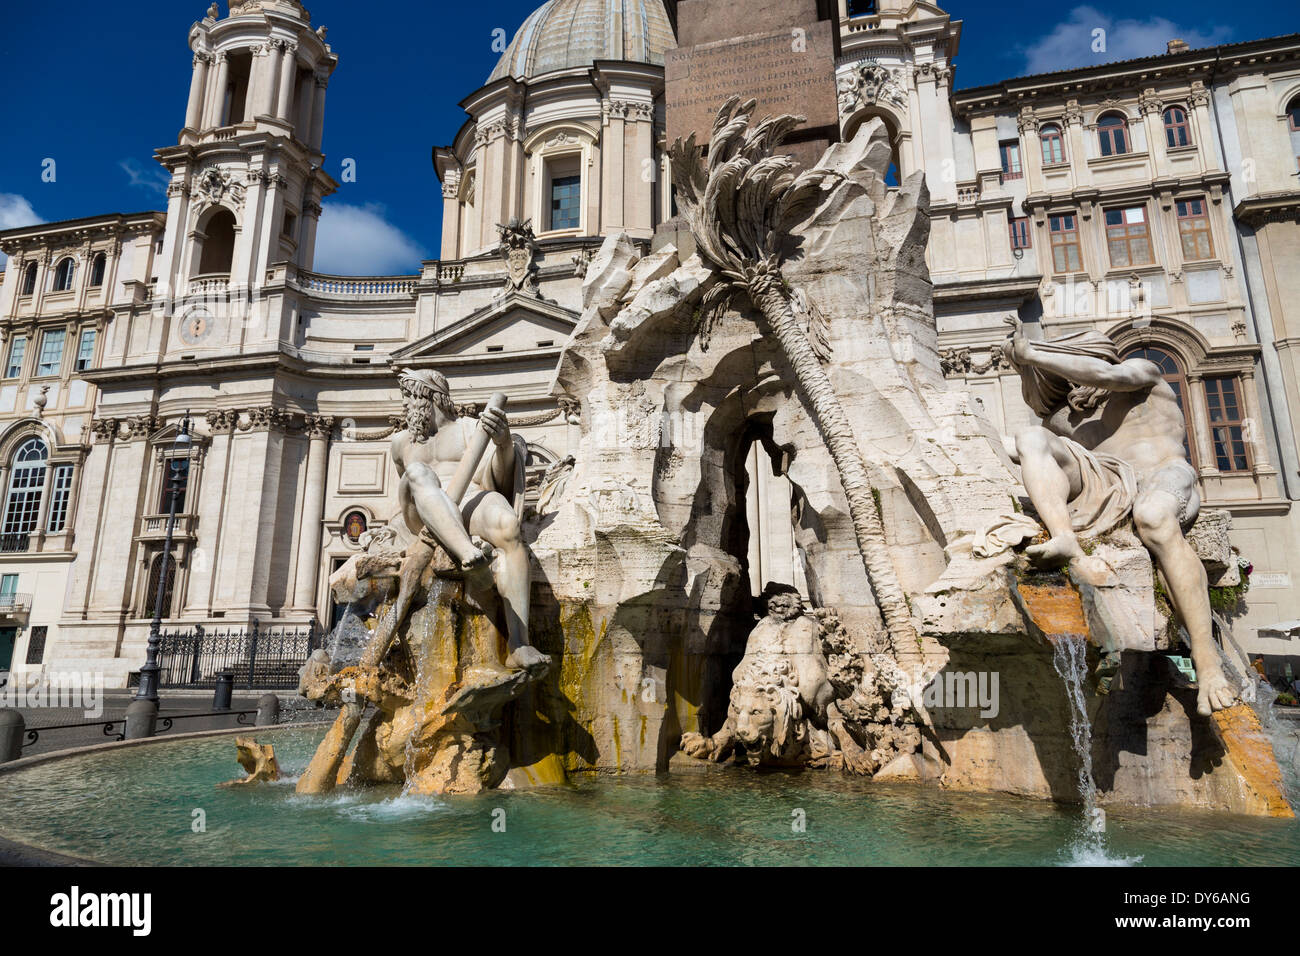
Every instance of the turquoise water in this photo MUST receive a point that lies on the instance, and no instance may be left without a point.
(137, 806)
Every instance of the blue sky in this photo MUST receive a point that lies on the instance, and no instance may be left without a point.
(98, 86)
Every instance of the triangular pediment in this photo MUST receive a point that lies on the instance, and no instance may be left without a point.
(513, 324)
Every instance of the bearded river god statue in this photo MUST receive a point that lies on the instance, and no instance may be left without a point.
(1111, 447)
(450, 649)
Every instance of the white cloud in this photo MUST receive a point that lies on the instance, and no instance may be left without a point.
(1071, 43)
(358, 240)
(15, 212)
(154, 180)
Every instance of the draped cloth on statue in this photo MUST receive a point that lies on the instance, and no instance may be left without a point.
(1045, 392)
(1108, 486)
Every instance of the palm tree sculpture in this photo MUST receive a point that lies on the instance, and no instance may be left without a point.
(741, 206)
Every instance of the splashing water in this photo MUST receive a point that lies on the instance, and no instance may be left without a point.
(1070, 659)
(347, 642)
(422, 677)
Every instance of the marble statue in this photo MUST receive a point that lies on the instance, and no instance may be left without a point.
(431, 453)
(800, 697)
(448, 647)
(1111, 447)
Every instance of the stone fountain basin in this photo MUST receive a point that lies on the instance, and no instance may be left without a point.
(134, 803)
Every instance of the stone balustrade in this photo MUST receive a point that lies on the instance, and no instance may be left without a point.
(358, 287)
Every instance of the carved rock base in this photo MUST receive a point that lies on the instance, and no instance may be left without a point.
(439, 698)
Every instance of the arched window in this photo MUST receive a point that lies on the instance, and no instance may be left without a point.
(1053, 145)
(64, 273)
(1173, 373)
(1293, 113)
(26, 483)
(29, 279)
(97, 270)
(1177, 131)
(1112, 134)
(218, 244)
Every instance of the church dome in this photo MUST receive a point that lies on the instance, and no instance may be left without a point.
(563, 34)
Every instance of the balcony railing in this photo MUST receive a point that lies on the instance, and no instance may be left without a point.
(211, 284)
(358, 287)
(14, 604)
(155, 526)
(14, 543)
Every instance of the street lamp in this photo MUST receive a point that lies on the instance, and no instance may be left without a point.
(149, 672)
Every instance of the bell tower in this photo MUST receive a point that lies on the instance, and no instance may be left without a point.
(246, 177)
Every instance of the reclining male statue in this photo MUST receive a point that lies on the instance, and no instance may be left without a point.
(428, 453)
(1111, 445)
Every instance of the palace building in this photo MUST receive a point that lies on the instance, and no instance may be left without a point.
(1155, 199)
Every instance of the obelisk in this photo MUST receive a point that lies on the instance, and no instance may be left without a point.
(781, 53)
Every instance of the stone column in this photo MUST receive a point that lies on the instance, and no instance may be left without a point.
(318, 430)
(1197, 411)
(288, 73)
(307, 234)
(43, 513)
(451, 216)
(318, 113)
(1154, 124)
(217, 99)
(306, 107)
(198, 87)
(940, 147)
(1075, 143)
(614, 181)
(1255, 434)
(1202, 126)
(267, 77)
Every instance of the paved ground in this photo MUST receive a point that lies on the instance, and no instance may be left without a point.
(189, 710)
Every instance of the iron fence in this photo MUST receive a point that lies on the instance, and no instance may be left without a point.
(260, 656)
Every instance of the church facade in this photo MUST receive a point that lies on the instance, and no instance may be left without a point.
(1156, 200)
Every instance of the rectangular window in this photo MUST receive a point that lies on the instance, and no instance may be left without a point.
(17, 350)
(1227, 424)
(36, 644)
(51, 357)
(1194, 229)
(1011, 168)
(86, 350)
(22, 509)
(59, 495)
(8, 589)
(1127, 237)
(1065, 243)
(175, 475)
(566, 200)
(1019, 232)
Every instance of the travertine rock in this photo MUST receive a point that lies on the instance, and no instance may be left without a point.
(638, 567)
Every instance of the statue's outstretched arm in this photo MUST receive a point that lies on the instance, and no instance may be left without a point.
(1133, 375)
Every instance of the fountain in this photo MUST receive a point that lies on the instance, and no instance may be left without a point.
(610, 640)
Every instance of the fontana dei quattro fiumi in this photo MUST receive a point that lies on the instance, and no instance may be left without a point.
(749, 440)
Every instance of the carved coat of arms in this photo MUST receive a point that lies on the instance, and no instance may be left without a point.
(518, 248)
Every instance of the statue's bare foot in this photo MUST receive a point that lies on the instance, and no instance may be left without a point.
(1214, 693)
(1055, 552)
(528, 658)
(478, 561)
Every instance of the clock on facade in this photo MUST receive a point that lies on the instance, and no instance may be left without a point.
(196, 325)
